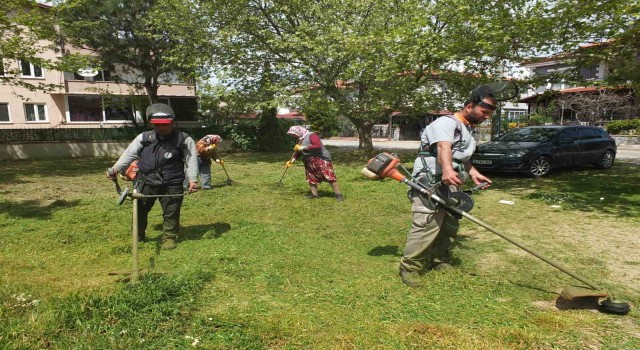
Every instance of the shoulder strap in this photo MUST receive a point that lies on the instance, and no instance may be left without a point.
(428, 151)
(458, 132)
(181, 141)
(148, 137)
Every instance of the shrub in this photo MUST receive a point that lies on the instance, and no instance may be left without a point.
(624, 127)
(538, 119)
(272, 132)
(243, 135)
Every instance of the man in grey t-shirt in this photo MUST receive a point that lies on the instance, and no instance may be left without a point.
(445, 156)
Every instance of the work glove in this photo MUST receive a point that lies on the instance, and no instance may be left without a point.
(298, 148)
(289, 163)
(220, 161)
(212, 147)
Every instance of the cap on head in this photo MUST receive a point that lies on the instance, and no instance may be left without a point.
(160, 113)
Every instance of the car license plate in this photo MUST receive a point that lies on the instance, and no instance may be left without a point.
(482, 161)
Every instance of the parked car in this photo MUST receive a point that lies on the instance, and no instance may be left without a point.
(536, 150)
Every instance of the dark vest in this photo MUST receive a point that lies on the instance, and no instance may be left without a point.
(322, 152)
(161, 160)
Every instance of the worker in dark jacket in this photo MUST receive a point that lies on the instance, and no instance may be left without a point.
(165, 158)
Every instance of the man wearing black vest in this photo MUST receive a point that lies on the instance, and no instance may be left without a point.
(165, 158)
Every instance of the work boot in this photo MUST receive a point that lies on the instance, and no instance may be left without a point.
(410, 279)
(339, 197)
(168, 243)
(142, 237)
(442, 266)
(311, 196)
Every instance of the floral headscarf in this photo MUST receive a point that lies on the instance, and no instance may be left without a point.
(211, 139)
(299, 131)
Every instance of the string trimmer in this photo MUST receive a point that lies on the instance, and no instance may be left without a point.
(229, 181)
(133, 195)
(280, 183)
(385, 165)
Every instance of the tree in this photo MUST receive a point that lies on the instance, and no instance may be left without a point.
(152, 40)
(604, 31)
(368, 59)
(27, 31)
(598, 105)
(271, 132)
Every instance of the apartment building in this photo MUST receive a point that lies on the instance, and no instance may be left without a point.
(566, 96)
(86, 98)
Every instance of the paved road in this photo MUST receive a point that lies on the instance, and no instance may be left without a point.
(625, 152)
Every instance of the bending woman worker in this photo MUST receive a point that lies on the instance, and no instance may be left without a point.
(317, 160)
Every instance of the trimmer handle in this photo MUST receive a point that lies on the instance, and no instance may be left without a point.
(112, 174)
(478, 187)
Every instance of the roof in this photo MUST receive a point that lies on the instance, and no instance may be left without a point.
(563, 55)
(290, 116)
(575, 90)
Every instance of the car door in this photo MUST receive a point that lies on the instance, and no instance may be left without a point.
(592, 145)
(566, 151)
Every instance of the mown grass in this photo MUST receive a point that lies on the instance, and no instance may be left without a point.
(258, 266)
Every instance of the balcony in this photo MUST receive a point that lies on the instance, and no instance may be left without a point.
(83, 87)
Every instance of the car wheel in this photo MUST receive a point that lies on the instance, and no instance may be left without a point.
(540, 166)
(606, 160)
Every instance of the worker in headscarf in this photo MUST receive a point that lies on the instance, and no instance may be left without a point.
(317, 160)
(207, 148)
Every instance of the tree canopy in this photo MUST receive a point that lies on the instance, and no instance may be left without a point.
(152, 39)
(369, 58)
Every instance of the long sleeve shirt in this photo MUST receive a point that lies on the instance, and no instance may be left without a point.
(189, 156)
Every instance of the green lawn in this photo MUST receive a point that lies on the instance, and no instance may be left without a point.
(258, 266)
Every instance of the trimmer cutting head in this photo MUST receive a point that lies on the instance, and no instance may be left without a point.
(608, 305)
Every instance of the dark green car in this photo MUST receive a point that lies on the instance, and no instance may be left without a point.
(536, 150)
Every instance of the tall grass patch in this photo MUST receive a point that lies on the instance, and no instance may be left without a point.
(259, 266)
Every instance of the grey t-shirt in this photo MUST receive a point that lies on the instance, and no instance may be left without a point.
(444, 129)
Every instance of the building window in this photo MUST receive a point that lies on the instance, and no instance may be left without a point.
(118, 109)
(4, 113)
(514, 114)
(35, 112)
(30, 70)
(85, 108)
(95, 108)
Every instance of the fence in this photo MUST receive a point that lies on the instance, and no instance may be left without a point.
(50, 135)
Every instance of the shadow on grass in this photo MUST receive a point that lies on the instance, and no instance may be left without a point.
(385, 250)
(53, 167)
(35, 209)
(194, 232)
(204, 231)
(615, 191)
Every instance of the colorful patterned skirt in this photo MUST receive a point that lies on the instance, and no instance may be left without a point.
(318, 170)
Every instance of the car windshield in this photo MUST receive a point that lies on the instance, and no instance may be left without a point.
(528, 135)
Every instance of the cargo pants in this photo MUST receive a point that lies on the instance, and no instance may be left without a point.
(170, 208)
(430, 238)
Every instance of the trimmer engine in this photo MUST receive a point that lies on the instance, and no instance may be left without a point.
(382, 163)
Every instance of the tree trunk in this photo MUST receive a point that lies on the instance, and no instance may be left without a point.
(364, 134)
(151, 89)
(152, 94)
